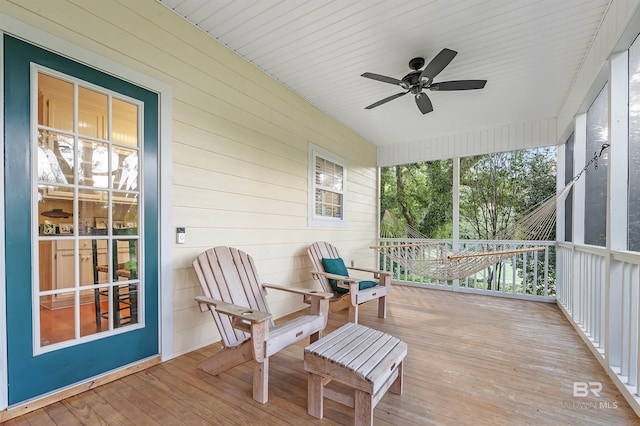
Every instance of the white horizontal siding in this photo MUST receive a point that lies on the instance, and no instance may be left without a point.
(239, 149)
(510, 137)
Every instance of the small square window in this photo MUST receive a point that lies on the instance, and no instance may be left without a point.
(326, 188)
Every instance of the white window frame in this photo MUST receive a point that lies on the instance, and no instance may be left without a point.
(38, 348)
(314, 219)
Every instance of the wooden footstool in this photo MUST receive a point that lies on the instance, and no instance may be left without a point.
(367, 360)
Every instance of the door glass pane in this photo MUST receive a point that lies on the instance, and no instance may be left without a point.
(125, 213)
(87, 226)
(125, 123)
(126, 169)
(92, 113)
(91, 320)
(55, 157)
(93, 210)
(55, 103)
(99, 155)
(100, 256)
(56, 318)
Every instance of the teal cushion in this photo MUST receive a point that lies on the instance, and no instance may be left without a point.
(366, 284)
(337, 267)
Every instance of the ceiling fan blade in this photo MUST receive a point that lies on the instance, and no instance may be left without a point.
(385, 100)
(424, 103)
(382, 78)
(438, 63)
(458, 85)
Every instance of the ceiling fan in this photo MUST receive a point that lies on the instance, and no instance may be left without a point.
(417, 81)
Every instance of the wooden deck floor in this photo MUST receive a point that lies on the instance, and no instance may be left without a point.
(472, 360)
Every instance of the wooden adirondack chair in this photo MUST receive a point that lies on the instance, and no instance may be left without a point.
(236, 298)
(356, 294)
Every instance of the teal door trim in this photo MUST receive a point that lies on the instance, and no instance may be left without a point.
(12, 26)
(61, 368)
(3, 323)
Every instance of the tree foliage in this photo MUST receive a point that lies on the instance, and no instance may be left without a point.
(495, 191)
(498, 189)
(420, 194)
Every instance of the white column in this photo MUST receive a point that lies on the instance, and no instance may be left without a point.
(577, 219)
(560, 177)
(617, 185)
(579, 160)
(456, 203)
(456, 211)
(618, 152)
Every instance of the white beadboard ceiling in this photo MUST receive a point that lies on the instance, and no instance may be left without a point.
(529, 51)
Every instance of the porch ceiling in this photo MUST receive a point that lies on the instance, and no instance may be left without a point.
(529, 51)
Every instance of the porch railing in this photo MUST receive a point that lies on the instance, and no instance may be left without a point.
(525, 275)
(603, 303)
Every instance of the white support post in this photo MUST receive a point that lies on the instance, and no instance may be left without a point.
(617, 184)
(560, 210)
(456, 213)
(618, 152)
(579, 161)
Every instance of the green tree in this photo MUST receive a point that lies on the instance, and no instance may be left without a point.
(420, 194)
(498, 189)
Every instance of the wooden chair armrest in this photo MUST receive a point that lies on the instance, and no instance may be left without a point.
(373, 271)
(299, 290)
(337, 277)
(383, 277)
(345, 282)
(240, 312)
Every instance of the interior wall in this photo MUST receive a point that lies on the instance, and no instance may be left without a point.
(239, 151)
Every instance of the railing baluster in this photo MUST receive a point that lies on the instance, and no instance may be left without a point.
(514, 265)
(533, 257)
(546, 271)
(637, 336)
(524, 275)
(633, 335)
(626, 329)
(507, 272)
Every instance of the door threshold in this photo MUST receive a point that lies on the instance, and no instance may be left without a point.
(67, 392)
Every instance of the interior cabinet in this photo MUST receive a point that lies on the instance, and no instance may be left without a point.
(65, 275)
(57, 270)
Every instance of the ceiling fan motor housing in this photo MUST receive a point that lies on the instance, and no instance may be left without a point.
(416, 63)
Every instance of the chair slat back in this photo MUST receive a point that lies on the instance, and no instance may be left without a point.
(317, 251)
(230, 275)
